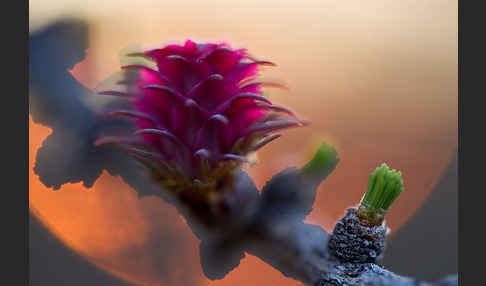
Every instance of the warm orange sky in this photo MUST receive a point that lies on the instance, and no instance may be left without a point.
(378, 80)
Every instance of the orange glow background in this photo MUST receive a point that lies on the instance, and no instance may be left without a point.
(377, 80)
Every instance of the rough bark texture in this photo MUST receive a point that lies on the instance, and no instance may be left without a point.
(353, 241)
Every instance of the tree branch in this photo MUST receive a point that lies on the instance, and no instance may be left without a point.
(275, 232)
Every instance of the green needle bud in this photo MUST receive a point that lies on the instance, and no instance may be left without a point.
(323, 162)
(384, 186)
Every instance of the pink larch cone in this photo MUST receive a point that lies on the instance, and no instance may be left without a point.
(199, 113)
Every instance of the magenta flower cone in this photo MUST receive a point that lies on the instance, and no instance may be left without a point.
(199, 113)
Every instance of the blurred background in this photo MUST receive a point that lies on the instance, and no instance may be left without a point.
(378, 80)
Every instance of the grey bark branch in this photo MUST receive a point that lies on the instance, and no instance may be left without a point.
(274, 231)
(302, 252)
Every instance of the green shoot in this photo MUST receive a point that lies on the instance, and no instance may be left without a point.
(384, 187)
(323, 162)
